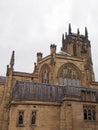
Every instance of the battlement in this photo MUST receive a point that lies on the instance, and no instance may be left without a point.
(76, 44)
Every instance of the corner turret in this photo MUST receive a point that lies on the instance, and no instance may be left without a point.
(39, 56)
(53, 48)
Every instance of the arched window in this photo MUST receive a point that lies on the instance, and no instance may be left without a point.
(85, 114)
(33, 119)
(89, 112)
(94, 114)
(74, 50)
(20, 118)
(69, 74)
(44, 74)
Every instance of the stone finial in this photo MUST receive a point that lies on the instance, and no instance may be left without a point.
(7, 72)
(12, 59)
(39, 56)
(66, 34)
(62, 38)
(53, 48)
(78, 32)
(69, 29)
(35, 66)
(86, 33)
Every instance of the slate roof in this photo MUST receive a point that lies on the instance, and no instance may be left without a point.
(2, 79)
(64, 53)
(25, 90)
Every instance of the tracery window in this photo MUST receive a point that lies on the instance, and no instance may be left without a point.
(69, 74)
(45, 74)
(20, 117)
(33, 118)
(89, 112)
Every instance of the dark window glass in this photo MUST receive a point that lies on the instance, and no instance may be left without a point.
(33, 120)
(89, 113)
(20, 117)
(85, 114)
(93, 114)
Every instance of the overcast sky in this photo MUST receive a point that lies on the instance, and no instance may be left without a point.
(30, 26)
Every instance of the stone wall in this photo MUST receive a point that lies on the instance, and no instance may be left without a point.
(2, 87)
(47, 115)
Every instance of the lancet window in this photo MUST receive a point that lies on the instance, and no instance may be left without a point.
(33, 119)
(20, 117)
(74, 50)
(69, 74)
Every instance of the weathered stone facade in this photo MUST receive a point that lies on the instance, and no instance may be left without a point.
(60, 94)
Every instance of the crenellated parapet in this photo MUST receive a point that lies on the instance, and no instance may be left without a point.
(76, 44)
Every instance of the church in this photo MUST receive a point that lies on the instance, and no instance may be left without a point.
(60, 94)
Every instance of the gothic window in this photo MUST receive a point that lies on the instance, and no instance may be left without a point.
(84, 48)
(69, 74)
(61, 81)
(89, 112)
(33, 119)
(74, 50)
(94, 96)
(44, 74)
(20, 117)
(94, 114)
(85, 114)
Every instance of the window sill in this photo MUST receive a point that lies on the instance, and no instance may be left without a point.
(90, 121)
(20, 125)
(33, 125)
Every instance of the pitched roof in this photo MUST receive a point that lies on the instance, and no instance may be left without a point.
(2, 79)
(25, 90)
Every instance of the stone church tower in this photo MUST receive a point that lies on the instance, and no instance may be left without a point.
(78, 45)
(60, 94)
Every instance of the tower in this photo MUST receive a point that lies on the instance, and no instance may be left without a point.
(78, 45)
